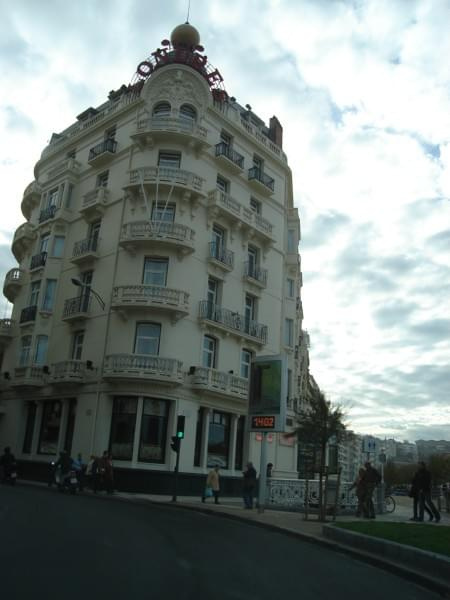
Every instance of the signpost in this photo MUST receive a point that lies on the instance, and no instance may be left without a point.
(267, 407)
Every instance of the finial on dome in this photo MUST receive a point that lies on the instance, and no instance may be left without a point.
(185, 36)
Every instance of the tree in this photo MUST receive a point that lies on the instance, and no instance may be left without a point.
(316, 425)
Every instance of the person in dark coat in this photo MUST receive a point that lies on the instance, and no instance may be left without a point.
(360, 486)
(424, 485)
(414, 493)
(371, 479)
(249, 485)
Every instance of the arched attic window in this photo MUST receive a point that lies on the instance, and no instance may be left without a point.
(161, 110)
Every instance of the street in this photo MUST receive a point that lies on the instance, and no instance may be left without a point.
(57, 545)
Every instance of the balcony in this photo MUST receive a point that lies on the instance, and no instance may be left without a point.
(38, 261)
(219, 383)
(224, 206)
(260, 181)
(141, 234)
(23, 238)
(255, 275)
(229, 158)
(85, 250)
(102, 153)
(31, 198)
(67, 167)
(220, 256)
(47, 213)
(166, 177)
(232, 322)
(94, 204)
(14, 279)
(170, 129)
(29, 376)
(7, 330)
(142, 367)
(68, 372)
(132, 297)
(28, 314)
(76, 309)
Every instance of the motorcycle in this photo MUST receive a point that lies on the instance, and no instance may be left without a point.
(66, 481)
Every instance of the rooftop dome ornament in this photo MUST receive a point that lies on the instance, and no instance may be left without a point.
(184, 49)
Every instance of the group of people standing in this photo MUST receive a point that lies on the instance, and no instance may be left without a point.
(365, 484)
(98, 473)
(212, 486)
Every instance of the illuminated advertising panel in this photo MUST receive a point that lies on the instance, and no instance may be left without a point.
(268, 391)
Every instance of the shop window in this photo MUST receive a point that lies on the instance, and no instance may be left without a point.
(50, 427)
(152, 443)
(123, 424)
(219, 440)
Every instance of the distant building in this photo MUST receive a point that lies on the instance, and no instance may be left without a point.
(427, 448)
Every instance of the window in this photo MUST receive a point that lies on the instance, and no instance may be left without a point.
(290, 288)
(25, 351)
(222, 184)
(102, 179)
(289, 332)
(291, 241)
(34, 293)
(198, 436)
(213, 292)
(147, 338)
(218, 242)
(69, 195)
(110, 134)
(50, 426)
(162, 110)
(49, 295)
(249, 312)
(94, 230)
(209, 352)
(246, 359)
(43, 243)
(155, 271)
(29, 427)
(77, 345)
(255, 206)
(40, 352)
(253, 260)
(171, 160)
(123, 424)
(58, 246)
(226, 139)
(163, 213)
(188, 112)
(258, 163)
(240, 433)
(52, 198)
(219, 439)
(152, 444)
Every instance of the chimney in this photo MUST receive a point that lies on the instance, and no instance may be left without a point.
(276, 131)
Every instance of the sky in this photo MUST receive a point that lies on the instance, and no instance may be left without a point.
(362, 89)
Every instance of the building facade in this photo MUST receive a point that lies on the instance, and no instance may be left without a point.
(158, 256)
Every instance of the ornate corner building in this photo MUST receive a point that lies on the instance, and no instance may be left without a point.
(159, 254)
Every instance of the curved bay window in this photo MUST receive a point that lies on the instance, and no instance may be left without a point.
(188, 113)
(163, 109)
(152, 444)
(123, 424)
(219, 439)
(50, 426)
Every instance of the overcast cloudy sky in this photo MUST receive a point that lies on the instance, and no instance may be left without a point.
(362, 89)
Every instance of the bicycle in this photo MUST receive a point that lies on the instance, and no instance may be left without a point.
(389, 504)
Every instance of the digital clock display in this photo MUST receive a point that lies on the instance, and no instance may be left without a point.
(263, 422)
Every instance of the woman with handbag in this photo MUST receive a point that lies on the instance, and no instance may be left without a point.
(212, 487)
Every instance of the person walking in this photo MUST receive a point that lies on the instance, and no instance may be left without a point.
(249, 485)
(212, 484)
(360, 486)
(414, 493)
(107, 472)
(371, 479)
(80, 469)
(424, 485)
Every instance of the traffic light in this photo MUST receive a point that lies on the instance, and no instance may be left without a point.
(175, 445)
(180, 426)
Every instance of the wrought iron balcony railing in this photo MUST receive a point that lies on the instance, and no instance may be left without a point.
(47, 213)
(28, 314)
(223, 149)
(221, 254)
(259, 175)
(77, 306)
(232, 320)
(38, 260)
(85, 246)
(254, 272)
(108, 145)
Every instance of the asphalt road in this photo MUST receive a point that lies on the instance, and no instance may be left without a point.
(55, 545)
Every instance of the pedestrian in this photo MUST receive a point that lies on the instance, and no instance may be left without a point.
(249, 485)
(414, 493)
(80, 470)
(424, 485)
(212, 487)
(8, 465)
(107, 469)
(360, 486)
(371, 479)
